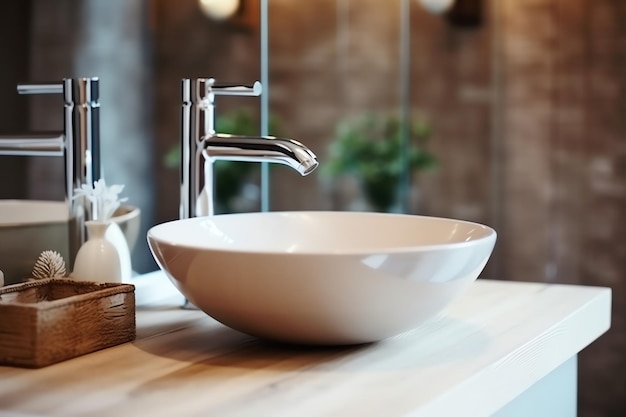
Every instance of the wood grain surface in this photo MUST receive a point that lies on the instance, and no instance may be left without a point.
(486, 349)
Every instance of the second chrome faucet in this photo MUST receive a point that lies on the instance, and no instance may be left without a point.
(201, 145)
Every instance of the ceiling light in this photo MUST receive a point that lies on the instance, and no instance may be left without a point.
(436, 6)
(219, 9)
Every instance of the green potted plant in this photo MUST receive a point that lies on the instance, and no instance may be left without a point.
(372, 149)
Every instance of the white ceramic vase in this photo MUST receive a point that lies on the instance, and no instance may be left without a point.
(98, 259)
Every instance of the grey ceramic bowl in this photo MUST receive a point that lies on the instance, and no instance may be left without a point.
(28, 227)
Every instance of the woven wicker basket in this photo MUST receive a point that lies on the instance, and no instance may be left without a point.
(51, 320)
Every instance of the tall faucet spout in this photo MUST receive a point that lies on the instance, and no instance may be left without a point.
(201, 145)
(219, 146)
(260, 149)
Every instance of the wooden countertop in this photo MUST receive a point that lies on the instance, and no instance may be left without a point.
(489, 346)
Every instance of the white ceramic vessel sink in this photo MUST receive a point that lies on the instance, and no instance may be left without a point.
(321, 277)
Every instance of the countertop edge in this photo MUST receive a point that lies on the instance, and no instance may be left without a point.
(531, 361)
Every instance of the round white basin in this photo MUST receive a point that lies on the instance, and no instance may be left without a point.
(321, 277)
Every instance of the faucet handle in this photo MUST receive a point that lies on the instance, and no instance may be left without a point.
(232, 89)
(202, 91)
(207, 88)
(40, 88)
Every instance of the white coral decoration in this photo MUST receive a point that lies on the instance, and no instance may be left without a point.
(50, 264)
(104, 199)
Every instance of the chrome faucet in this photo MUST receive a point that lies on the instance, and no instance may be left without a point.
(78, 143)
(201, 145)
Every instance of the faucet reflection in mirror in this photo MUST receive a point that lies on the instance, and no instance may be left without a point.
(78, 143)
(201, 145)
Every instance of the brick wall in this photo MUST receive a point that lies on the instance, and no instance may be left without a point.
(563, 140)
